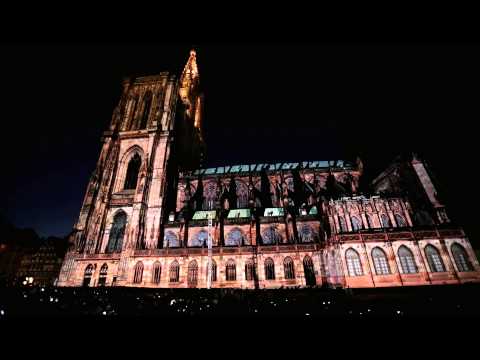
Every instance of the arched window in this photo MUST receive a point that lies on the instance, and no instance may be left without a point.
(174, 272)
(192, 277)
(269, 269)
(156, 272)
(309, 271)
(400, 220)
(231, 271)
(354, 264)
(132, 172)
(386, 221)
(242, 195)
(200, 239)
(87, 276)
(210, 194)
(117, 232)
(271, 236)
(370, 222)
(434, 259)
(288, 268)
(343, 224)
(356, 224)
(214, 271)
(306, 234)
(147, 102)
(171, 240)
(138, 274)
(235, 238)
(461, 258)
(102, 279)
(249, 270)
(407, 261)
(133, 110)
(380, 262)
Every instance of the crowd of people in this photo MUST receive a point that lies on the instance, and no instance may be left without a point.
(313, 302)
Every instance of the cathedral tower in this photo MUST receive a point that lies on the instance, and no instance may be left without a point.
(155, 131)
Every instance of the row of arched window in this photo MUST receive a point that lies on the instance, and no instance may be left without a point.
(357, 223)
(407, 260)
(230, 271)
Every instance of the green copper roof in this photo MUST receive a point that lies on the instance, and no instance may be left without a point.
(239, 213)
(273, 212)
(203, 215)
(270, 167)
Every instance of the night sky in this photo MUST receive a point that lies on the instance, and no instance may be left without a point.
(263, 103)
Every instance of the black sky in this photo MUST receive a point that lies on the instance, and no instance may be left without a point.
(263, 102)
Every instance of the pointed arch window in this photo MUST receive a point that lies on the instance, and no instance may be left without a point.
(407, 260)
(102, 279)
(156, 272)
(242, 195)
(133, 169)
(370, 222)
(192, 278)
(380, 261)
(309, 271)
(356, 224)
(87, 275)
(147, 102)
(117, 233)
(174, 272)
(171, 240)
(250, 270)
(288, 268)
(343, 224)
(306, 234)
(434, 259)
(235, 238)
(214, 271)
(386, 221)
(400, 220)
(271, 236)
(354, 265)
(269, 269)
(461, 258)
(200, 239)
(138, 273)
(231, 271)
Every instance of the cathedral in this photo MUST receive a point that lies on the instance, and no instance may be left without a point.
(152, 216)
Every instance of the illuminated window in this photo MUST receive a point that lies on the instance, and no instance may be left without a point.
(234, 238)
(269, 269)
(200, 239)
(117, 232)
(231, 272)
(434, 259)
(354, 264)
(156, 272)
(309, 271)
(171, 240)
(461, 258)
(407, 260)
(138, 274)
(132, 172)
(400, 221)
(271, 236)
(380, 261)
(192, 277)
(356, 224)
(174, 272)
(343, 224)
(306, 234)
(385, 221)
(288, 268)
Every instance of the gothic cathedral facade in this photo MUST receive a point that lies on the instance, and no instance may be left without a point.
(150, 211)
